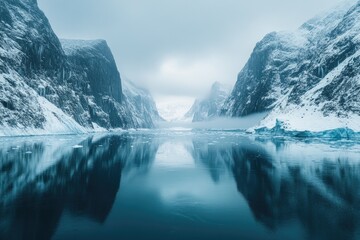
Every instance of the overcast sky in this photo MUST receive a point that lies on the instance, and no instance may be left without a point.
(179, 47)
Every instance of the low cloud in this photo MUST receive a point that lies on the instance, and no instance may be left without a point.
(186, 77)
(220, 123)
(179, 46)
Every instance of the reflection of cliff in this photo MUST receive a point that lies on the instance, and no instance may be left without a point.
(305, 195)
(84, 182)
(215, 158)
(322, 194)
(255, 176)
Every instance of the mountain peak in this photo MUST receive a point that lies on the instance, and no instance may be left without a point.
(72, 46)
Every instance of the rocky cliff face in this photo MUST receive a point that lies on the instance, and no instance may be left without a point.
(309, 78)
(141, 105)
(30, 55)
(45, 89)
(210, 106)
(95, 77)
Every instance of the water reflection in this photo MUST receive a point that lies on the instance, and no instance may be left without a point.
(315, 184)
(83, 180)
(175, 186)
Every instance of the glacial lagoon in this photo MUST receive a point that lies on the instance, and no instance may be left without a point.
(178, 185)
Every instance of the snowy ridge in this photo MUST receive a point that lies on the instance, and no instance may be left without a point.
(72, 46)
(308, 78)
(309, 116)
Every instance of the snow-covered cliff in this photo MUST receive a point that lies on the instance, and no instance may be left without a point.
(110, 104)
(309, 78)
(47, 87)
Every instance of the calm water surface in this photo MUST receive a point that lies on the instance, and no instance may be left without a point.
(178, 185)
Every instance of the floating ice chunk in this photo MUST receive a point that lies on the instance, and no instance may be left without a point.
(281, 129)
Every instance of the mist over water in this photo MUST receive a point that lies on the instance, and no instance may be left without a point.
(220, 123)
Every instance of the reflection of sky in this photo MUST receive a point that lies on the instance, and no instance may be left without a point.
(173, 154)
(179, 180)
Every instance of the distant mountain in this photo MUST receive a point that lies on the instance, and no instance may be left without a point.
(141, 104)
(48, 86)
(309, 78)
(210, 106)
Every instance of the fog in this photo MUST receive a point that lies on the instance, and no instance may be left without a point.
(221, 123)
(179, 47)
